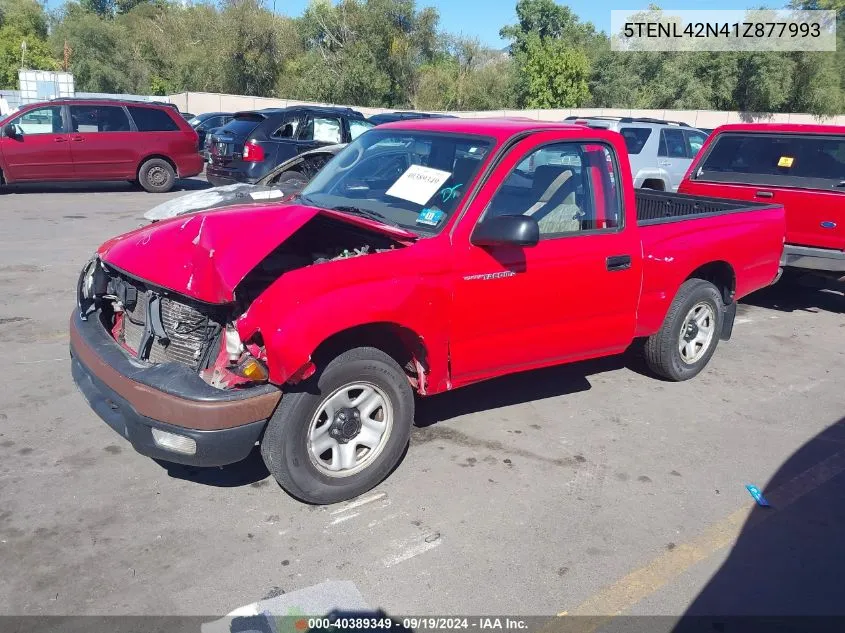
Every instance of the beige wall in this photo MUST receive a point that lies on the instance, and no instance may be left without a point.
(199, 102)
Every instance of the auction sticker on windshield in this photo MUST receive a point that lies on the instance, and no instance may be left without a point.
(418, 184)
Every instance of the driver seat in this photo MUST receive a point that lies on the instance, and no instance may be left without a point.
(556, 209)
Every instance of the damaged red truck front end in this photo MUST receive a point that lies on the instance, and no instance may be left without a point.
(174, 354)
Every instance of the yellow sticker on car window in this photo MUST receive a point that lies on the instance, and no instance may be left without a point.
(785, 161)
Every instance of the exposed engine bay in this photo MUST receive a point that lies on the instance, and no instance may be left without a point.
(320, 241)
(155, 325)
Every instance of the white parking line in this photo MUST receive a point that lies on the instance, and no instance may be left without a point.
(359, 502)
(344, 518)
(411, 552)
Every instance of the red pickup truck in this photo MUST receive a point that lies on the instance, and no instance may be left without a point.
(801, 167)
(427, 255)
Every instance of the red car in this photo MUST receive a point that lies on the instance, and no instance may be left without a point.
(98, 139)
(427, 255)
(801, 167)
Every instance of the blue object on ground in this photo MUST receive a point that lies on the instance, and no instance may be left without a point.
(758, 496)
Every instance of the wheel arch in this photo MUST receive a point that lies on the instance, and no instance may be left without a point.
(399, 342)
(719, 273)
(163, 157)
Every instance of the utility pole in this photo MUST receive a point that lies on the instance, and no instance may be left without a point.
(23, 55)
(66, 63)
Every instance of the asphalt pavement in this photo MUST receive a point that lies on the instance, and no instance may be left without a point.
(589, 489)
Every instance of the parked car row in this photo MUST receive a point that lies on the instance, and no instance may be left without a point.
(153, 144)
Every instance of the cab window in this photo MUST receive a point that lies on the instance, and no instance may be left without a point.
(568, 188)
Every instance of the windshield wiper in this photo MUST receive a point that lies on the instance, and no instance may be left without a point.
(366, 213)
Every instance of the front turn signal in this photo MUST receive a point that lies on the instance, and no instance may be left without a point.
(253, 369)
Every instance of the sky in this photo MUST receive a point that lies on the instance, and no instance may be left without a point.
(484, 18)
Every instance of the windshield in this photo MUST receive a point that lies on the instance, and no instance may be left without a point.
(414, 180)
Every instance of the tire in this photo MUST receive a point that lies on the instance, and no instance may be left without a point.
(292, 180)
(157, 176)
(662, 350)
(287, 448)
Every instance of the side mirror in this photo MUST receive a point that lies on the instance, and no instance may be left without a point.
(10, 131)
(507, 230)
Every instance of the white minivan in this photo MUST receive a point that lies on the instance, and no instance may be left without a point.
(660, 151)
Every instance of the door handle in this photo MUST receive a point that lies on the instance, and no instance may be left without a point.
(764, 194)
(618, 262)
(78, 139)
(664, 163)
(60, 139)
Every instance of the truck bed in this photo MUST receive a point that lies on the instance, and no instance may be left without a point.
(660, 207)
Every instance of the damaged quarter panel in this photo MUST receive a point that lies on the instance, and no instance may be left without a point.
(304, 307)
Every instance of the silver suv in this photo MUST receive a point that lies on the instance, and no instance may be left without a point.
(660, 151)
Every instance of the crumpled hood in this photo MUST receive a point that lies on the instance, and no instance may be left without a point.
(205, 255)
(238, 193)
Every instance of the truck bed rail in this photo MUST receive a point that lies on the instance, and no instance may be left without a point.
(658, 207)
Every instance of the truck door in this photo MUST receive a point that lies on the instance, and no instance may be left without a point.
(574, 295)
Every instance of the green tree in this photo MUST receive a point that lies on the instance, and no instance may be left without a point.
(100, 58)
(555, 75)
(103, 8)
(553, 52)
(464, 76)
(365, 52)
(23, 21)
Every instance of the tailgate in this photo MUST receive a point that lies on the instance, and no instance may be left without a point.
(228, 143)
(221, 149)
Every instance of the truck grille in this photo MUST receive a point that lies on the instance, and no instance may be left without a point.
(187, 329)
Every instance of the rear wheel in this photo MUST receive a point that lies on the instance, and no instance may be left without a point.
(344, 435)
(157, 175)
(690, 332)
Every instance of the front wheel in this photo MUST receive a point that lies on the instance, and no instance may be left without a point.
(342, 438)
(690, 332)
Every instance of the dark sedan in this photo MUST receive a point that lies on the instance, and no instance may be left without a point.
(205, 123)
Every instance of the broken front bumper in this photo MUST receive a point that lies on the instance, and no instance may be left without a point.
(134, 398)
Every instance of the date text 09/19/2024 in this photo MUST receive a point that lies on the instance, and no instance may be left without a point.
(418, 622)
